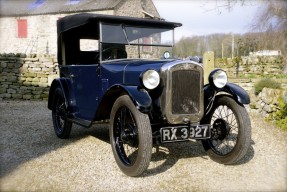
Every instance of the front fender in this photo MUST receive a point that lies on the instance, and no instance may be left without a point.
(139, 97)
(237, 92)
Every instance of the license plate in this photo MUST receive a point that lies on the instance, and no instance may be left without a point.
(173, 134)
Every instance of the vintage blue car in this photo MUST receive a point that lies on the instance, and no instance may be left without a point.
(122, 71)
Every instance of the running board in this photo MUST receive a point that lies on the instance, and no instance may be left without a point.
(82, 122)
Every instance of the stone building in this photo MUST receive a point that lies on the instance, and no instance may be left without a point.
(29, 26)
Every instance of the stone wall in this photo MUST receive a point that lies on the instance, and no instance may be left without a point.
(41, 34)
(26, 77)
(42, 30)
(253, 66)
(248, 84)
(134, 8)
(29, 76)
(251, 70)
(267, 102)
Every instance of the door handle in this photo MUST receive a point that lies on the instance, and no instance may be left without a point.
(72, 75)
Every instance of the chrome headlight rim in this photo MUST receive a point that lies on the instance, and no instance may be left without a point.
(218, 78)
(150, 79)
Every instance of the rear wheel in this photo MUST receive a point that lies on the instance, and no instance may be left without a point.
(62, 126)
(130, 137)
(231, 131)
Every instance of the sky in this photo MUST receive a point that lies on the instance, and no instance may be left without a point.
(201, 17)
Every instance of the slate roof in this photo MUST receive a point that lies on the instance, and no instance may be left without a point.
(41, 7)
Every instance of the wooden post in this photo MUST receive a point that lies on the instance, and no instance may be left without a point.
(208, 64)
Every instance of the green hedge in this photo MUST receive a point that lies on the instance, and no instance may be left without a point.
(281, 115)
(268, 83)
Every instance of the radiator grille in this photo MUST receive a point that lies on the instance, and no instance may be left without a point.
(185, 92)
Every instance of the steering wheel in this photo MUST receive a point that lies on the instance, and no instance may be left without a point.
(114, 53)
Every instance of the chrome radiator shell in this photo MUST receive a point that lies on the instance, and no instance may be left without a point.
(182, 97)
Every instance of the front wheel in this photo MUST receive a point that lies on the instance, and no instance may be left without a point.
(231, 131)
(130, 137)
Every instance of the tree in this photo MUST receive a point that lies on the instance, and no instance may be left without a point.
(268, 31)
(197, 45)
(273, 16)
(223, 5)
(271, 22)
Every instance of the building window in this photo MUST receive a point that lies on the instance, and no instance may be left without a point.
(22, 28)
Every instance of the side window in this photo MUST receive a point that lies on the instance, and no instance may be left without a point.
(89, 45)
(89, 51)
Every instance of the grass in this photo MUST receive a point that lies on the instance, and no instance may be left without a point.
(280, 117)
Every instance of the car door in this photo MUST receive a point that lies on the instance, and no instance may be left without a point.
(85, 89)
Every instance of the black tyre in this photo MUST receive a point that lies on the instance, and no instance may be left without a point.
(130, 137)
(231, 131)
(62, 126)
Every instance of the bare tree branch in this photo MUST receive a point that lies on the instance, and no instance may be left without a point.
(272, 16)
(227, 5)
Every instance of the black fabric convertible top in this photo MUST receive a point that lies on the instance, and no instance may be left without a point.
(86, 26)
(86, 19)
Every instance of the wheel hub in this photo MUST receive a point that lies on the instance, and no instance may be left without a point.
(129, 137)
(220, 129)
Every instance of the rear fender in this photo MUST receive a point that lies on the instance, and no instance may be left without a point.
(64, 84)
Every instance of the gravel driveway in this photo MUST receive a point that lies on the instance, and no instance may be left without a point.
(34, 159)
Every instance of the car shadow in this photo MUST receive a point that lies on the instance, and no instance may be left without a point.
(249, 155)
(99, 131)
(164, 156)
(28, 137)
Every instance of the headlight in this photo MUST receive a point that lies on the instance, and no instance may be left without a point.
(218, 78)
(150, 79)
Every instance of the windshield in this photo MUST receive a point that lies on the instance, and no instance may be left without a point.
(137, 42)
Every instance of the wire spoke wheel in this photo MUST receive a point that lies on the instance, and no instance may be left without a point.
(130, 137)
(125, 136)
(60, 113)
(224, 130)
(62, 126)
(231, 131)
